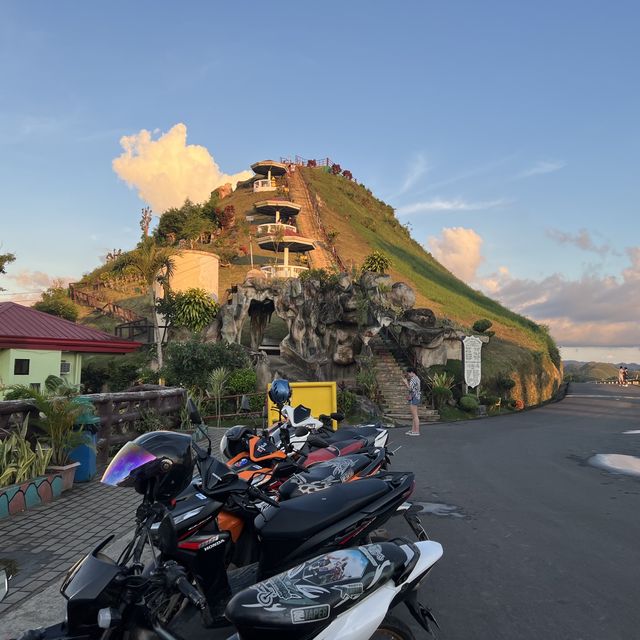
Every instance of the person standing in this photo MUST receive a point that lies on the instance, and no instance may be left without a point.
(621, 375)
(625, 377)
(412, 383)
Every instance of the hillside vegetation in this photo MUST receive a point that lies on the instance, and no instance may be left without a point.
(360, 223)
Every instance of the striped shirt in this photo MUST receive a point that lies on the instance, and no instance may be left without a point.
(414, 387)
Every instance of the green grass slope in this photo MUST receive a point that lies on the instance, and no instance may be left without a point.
(520, 348)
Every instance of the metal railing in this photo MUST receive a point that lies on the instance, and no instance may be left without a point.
(283, 271)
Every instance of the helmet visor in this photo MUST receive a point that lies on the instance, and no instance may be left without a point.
(131, 457)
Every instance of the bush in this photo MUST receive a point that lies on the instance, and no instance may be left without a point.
(242, 381)
(56, 302)
(441, 395)
(505, 383)
(480, 326)
(188, 364)
(468, 403)
(346, 402)
(489, 401)
(376, 261)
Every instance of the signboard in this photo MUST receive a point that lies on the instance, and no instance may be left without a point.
(472, 358)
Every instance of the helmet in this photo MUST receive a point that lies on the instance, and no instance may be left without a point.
(235, 441)
(280, 392)
(160, 460)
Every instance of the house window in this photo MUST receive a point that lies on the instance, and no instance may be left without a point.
(35, 386)
(21, 367)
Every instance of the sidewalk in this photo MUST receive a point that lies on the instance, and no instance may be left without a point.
(47, 540)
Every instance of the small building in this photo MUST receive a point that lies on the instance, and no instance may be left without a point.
(35, 345)
(269, 170)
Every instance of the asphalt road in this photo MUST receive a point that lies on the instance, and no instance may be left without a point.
(537, 543)
(541, 544)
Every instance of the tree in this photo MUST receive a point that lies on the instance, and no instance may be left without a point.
(151, 262)
(5, 259)
(56, 302)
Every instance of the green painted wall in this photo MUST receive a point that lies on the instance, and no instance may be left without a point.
(42, 364)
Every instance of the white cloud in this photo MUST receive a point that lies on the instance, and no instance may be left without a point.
(541, 167)
(582, 240)
(459, 250)
(418, 168)
(442, 204)
(167, 171)
(591, 311)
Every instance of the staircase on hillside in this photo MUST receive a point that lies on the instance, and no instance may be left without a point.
(390, 367)
(322, 257)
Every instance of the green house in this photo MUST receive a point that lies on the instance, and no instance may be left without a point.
(35, 345)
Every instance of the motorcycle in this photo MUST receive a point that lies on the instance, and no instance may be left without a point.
(346, 594)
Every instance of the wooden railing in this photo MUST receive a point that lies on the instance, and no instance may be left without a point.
(121, 414)
(100, 304)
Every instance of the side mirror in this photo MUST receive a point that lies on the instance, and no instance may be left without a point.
(167, 535)
(194, 414)
(4, 584)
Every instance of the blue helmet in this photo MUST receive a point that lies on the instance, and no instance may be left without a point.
(280, 392)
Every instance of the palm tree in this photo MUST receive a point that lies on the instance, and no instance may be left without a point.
(151, 262)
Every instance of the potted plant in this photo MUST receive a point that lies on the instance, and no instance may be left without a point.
(57, 415)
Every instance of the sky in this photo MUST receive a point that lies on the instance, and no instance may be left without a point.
(505, 134)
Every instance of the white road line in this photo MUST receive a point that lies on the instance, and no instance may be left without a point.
(604, 395)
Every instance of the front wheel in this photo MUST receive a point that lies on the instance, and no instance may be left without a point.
(392, 628)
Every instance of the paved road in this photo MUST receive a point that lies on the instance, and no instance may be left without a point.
(548, 547)
(541, 545)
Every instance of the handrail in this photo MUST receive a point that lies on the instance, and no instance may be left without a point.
(315, 210)
(100, 304)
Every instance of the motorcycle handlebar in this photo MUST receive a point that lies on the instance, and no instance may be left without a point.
(254, 492)
(196, 598)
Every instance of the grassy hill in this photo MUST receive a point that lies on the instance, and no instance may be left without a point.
(521, 348)
(590, 371)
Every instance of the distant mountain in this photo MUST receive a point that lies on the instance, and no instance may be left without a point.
(588, 371)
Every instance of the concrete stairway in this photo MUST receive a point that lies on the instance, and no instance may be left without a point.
(389, 374)
(321, 257)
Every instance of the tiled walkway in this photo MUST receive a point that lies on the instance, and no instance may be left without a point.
(47, 540)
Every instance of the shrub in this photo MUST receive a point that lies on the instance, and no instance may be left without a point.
(346, 402)
(441, 395)
(56, 302)
(242, 381)
(193, 308)
(480, 326)
(505, 383)
(468, 403)
(188, 364)
(489, 401)
(376, 261)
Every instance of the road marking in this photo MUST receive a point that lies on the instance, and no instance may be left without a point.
(603, 395)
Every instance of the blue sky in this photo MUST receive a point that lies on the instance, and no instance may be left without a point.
(506, 134)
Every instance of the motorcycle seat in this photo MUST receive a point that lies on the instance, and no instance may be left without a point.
(299, 603)
(323, 475)
(301, 518)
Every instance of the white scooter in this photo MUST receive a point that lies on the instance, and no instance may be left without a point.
(345, 594)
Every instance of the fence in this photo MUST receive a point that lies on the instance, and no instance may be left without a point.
(303, 162)
(110, 308)
(120, 413)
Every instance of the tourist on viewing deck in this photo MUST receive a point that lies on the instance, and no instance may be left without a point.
(621, 375)
(413, 384)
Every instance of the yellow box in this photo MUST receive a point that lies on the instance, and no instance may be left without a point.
(320, 397)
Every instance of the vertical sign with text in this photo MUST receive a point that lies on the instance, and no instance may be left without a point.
(472, 357)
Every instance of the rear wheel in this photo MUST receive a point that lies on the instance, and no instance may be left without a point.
(392, 628)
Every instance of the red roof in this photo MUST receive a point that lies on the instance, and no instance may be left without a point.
(25, 328)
